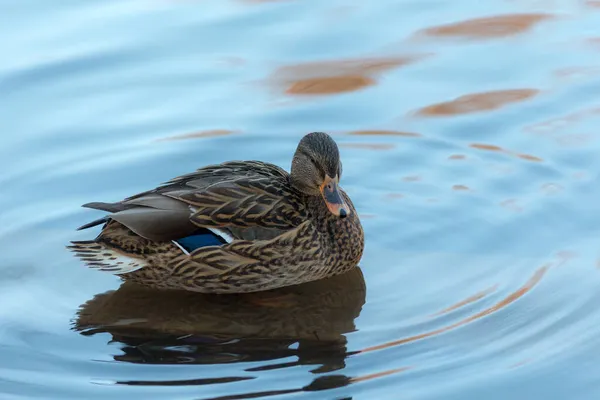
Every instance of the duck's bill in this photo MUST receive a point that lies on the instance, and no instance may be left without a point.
(333, 199)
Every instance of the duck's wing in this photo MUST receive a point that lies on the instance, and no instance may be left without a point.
(246, 199)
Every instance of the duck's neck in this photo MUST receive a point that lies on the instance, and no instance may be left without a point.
(324, 220)
(342, 234)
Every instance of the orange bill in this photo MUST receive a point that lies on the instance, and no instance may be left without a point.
(333, 199)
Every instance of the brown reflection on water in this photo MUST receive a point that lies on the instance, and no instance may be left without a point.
(201, 134)
(330, 85)
(511, 298)
(477, 102)
(498, 149)
(338, 76)
(529, 157)
(486, 147)
(457, 157)
(385, 133)
(471, 299)
(489, 27)
(217, 329)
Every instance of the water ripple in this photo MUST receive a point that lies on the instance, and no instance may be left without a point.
(468, 136)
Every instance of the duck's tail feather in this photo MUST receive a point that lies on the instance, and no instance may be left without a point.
(108, 207)
(154, 217)
(94, 223)
(99, 256)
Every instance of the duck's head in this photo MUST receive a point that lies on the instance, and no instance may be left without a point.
(317, 169)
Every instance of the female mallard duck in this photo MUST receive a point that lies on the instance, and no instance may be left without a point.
(240, 226)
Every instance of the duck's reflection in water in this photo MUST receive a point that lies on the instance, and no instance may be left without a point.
(178, 327)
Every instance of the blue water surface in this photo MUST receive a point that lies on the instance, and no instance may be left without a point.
(469, 138)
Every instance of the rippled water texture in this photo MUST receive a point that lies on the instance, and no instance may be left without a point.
(469, 137)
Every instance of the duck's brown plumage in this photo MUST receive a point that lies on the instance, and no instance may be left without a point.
(281, 235)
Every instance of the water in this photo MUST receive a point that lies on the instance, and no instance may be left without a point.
(468, 132)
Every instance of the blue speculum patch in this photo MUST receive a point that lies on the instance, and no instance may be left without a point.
(201, 238)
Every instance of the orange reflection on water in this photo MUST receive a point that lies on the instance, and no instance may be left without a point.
(201, 134)
(330, 85)
(490, 27)
(593, 3)
(487, 147)
(492, 147)
(339, 76)
(478, 102)
(471, 299)
(530, 284)
(529, 157)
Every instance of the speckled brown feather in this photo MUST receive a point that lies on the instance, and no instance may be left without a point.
(300, 240)
(304, 254)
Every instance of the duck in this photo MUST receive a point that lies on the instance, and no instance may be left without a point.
(233, 227)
